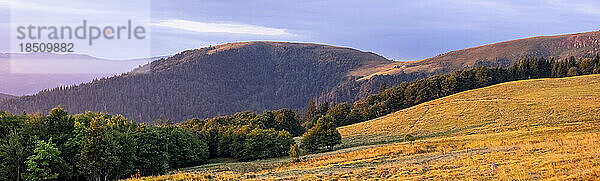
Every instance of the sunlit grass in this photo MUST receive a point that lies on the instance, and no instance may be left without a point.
(524, 130)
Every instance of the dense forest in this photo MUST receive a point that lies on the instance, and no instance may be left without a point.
(208, 82)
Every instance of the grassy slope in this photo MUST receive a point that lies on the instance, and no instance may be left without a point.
(503, 53)
(534, 129)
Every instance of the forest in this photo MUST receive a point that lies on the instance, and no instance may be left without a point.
(99, 146)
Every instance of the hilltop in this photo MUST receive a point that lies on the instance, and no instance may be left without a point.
(212, 81)
(503, 54)
(530, 129)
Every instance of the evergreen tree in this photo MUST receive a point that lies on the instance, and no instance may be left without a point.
(310, 113)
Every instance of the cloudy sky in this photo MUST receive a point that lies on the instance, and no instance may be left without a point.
(400, 30)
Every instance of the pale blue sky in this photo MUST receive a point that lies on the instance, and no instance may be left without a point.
(401, 30)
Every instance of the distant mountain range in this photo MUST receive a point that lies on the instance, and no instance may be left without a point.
(255, 76)
(25, 74)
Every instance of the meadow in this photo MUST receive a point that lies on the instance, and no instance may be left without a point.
(521, 130)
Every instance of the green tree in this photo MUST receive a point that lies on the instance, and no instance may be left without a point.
(323, 135)
(13, 153)
(310, 113)
(45, 162)
(152, 151)
(340, 113)
(106, 150)
(586, 66)
(408, 137)
(185, 147)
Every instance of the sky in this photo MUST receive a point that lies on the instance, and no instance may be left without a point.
(398, 30)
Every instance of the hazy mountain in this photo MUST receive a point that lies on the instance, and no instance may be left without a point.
(26, 74)
(213, 81)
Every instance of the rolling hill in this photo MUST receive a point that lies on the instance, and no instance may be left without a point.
(212, 81)
(522, 130)
(503, 54)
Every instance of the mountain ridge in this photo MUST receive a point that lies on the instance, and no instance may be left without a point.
(261, 75)
(211, 81)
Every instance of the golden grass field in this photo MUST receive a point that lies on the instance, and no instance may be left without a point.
(543, 129)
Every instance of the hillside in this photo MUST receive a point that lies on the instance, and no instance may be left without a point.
(522, 130)
(217, 80)
(503, 54)
(496, 108)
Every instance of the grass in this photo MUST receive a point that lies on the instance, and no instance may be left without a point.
(523, 130)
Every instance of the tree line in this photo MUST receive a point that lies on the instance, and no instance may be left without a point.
(98, 146)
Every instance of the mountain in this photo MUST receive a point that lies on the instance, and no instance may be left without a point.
(5, 96)
(213, 81)
(503, 54)
(255, 76)
(26, 74)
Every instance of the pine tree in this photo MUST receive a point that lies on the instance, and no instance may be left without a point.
(309, 114)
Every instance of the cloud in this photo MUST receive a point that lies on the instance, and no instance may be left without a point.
(205, 27)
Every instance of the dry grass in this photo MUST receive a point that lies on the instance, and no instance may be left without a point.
(537, 129)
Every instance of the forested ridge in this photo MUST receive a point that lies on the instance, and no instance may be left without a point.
(211, 81)
(258, 76)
